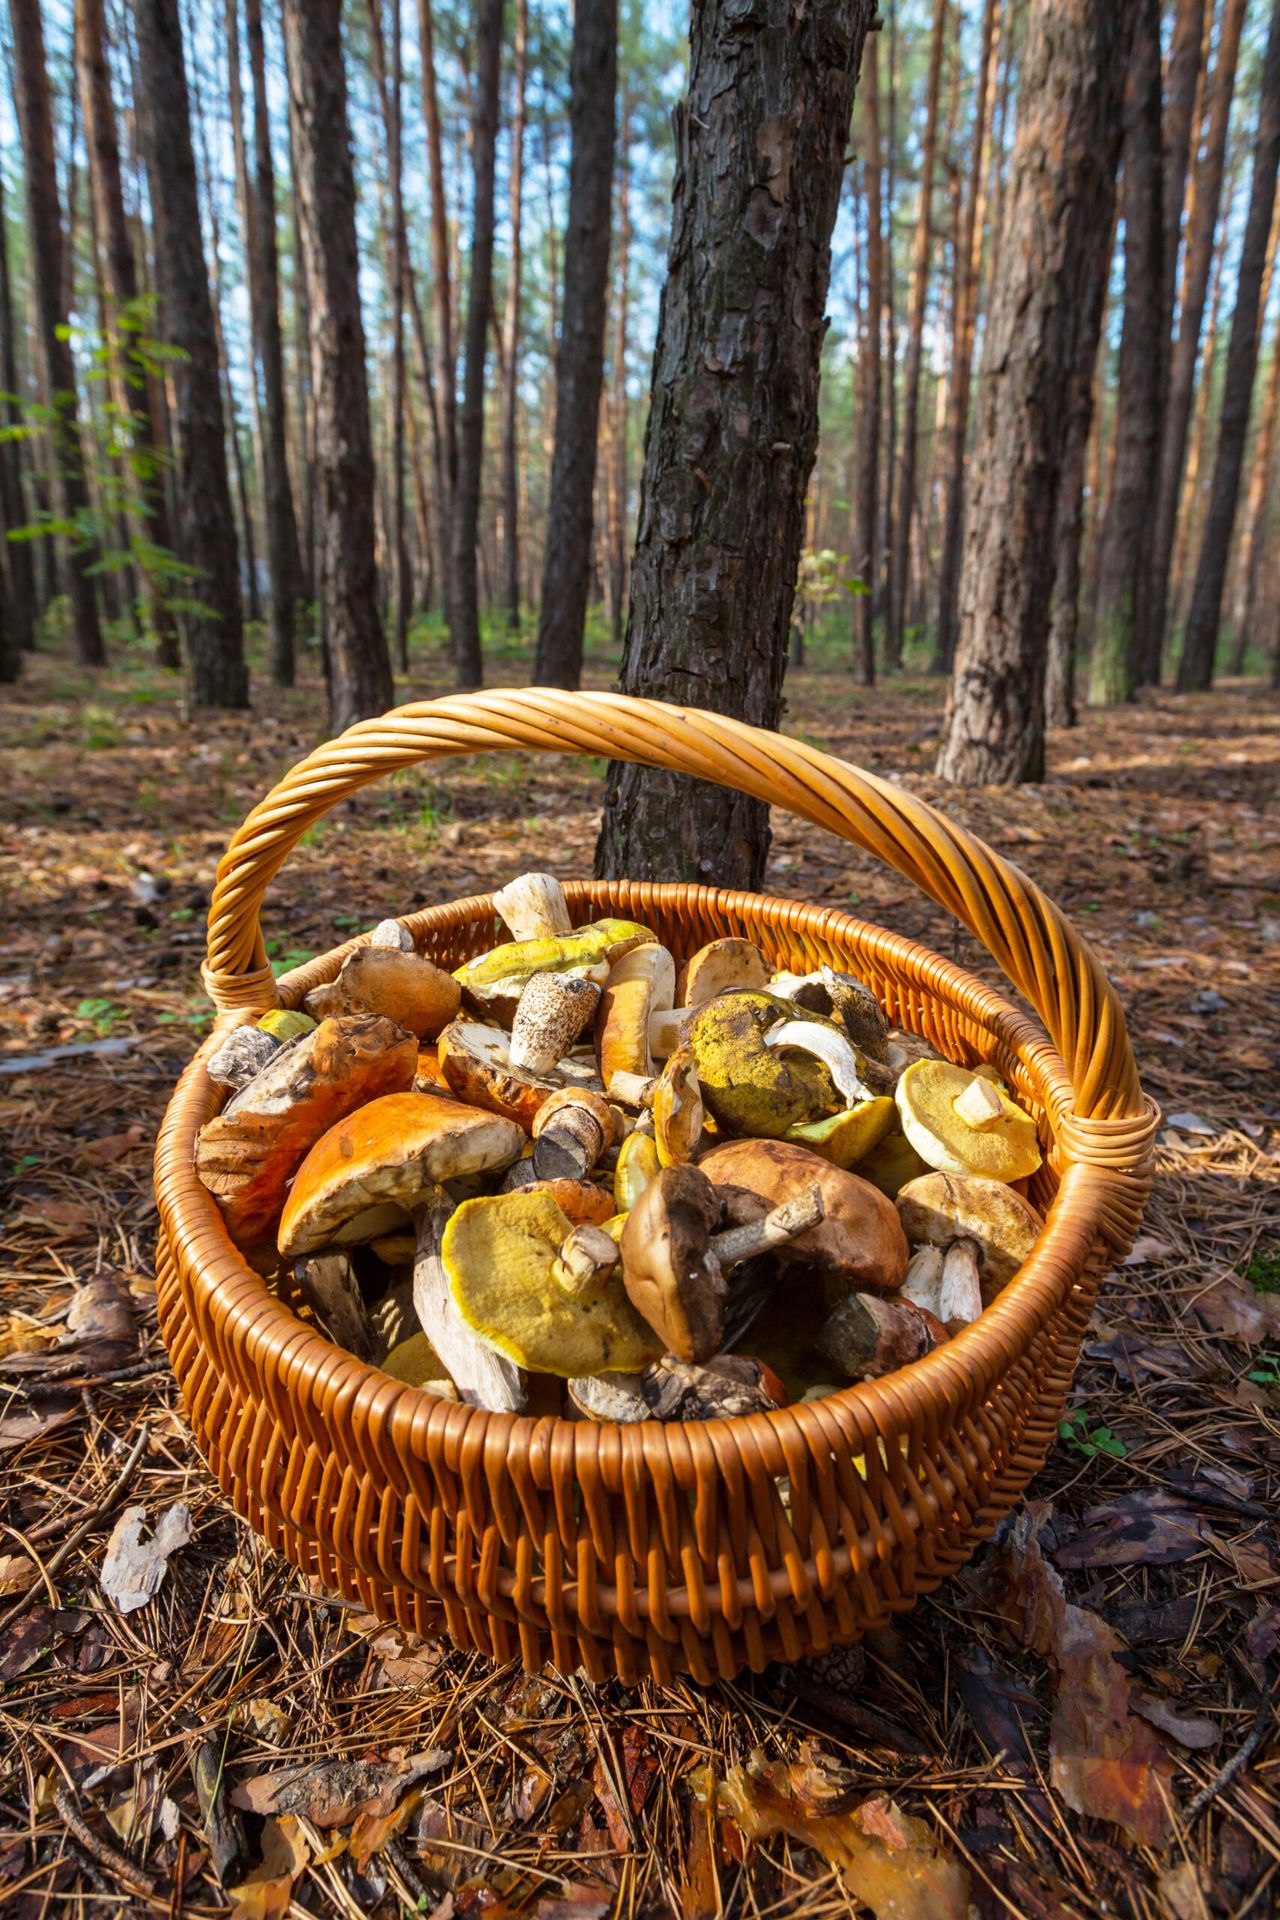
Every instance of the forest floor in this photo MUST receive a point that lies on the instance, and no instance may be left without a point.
(931, 1769)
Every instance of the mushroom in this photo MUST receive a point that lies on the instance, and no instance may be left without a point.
(288, 1023)
(587, 1260)
(867, 1336)
(843, 997)
(392, 934)
(476, 1062)
(637, 1165)
(893, 1163)
(846, 1138)
(581, 1202)
(677, 1110)
(533, 907)
(507, 1277)
(416, 1362)
(494, 981)
(241, 1057)
(484, 1376)
(367, 1173)
(552, 1011)
(642, 982)
(722, 966)
(749, 1087)
(960, 1123)
(404, 986)
(669, 1030)
(941, 1209)
(330, 1288)
(727, 1388)
(830, 1046)
(674, 1262)
(248, 1153)
(572, 1130)
(858, 1244)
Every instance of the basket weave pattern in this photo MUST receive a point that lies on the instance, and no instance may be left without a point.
(702, 1547)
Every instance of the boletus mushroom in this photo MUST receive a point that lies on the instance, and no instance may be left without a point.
(941, 1209)
(553, 1010)
(868, 1335)
(476, 1062)
(960, 1122)
(533, 907)
(493, 982)
(403, 985)
(725, 1389)
(572, 1129)
(730, 965)
(641, 982)
(749, 1087)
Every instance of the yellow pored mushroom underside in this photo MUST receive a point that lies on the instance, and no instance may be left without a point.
(499, 1254)
(1002, 1147)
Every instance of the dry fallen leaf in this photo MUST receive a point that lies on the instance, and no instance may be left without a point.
(133, 1568)
(1145, 1528)
(332, 1792)
(886, 1858)
(267, 1893)
(37, 1419)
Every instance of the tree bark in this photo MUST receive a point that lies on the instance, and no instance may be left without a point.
(20, 574)
(968, 256)
(1182, 77)
(511, 335)
(284, 562)
(920, 259)
(883, 600)
(733, 425)
(360, 683)
(134, 388)
(566, 572)
(1195, 673)
(867, 487)
(1057, 220)
(215, 639)
(442, 302)
(1177, 409)
(44, 222)
(465, 606)
(1123, 579)
(399, 555)
(1253, 542)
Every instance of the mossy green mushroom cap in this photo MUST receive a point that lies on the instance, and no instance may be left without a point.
(748, 1087)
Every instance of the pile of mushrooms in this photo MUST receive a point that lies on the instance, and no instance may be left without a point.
(573, 1176)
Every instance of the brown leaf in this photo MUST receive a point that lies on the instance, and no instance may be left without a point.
(32, 1637)
(102, 1311)
(37, 1419)
(113, 1146)
(332, 1792)
(1145, 1528)
(268, 1891)
(1230, 1306)
(1193, 1730)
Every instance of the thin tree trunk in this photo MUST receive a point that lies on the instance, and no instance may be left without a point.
(890, 651)
(21, 622)
(1253, 542)
(1181, 83)
(465, 608)
(921, 252)
(866, 487)
(44, 225)
(1195, 672)
(134, 388)
(566, 573)
(360, 682)
(1195, 475)
(619, 463)
(284, 564)
(1177, 410)
(305, 407)
(733, 426)
(399, 555)
(1058, 220)
(511, 335)
(968, 255)
(442, 301)
(1123, 582)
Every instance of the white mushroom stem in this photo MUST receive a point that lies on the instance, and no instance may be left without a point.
(795, 1216)
(390, 933)
(979, 1105)
(483, 1377)
(667, 1029)
(960, 1293)
(241, 1057)
(829, 1046)
(923, 1284)
(586, 1259)
(329, 1287)
(631, 1089)
(553, 1010)
(533, 907)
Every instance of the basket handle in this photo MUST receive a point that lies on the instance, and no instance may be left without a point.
(1026, 934)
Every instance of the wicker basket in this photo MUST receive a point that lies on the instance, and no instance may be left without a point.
(698, 1548)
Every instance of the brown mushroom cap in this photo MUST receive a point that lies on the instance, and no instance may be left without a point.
(476, 1062)
(387, 1154)
(859, 1242)
(404, 986)
(671, 1276)
(941, 1208)
(722, 966)
(641, 983)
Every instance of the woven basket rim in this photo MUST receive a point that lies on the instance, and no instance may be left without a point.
(950, 1374)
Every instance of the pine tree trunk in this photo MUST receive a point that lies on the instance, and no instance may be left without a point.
(1207, 190)
(922, 247)
(619, 462)
(968, 255)
(566, 572)
(134, 389)
(867, 481)
(442, 304)
(1253, 541)
(511, 336)
(733, 426)
(207, 531)
(20, 574)
(1123, 583)
(284, 563)
(360, 681)
(464, 595)
(891, 653)
(1182, 77)
(1057, 222)
(44, 222)
(1195, 672)
(399, 554)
